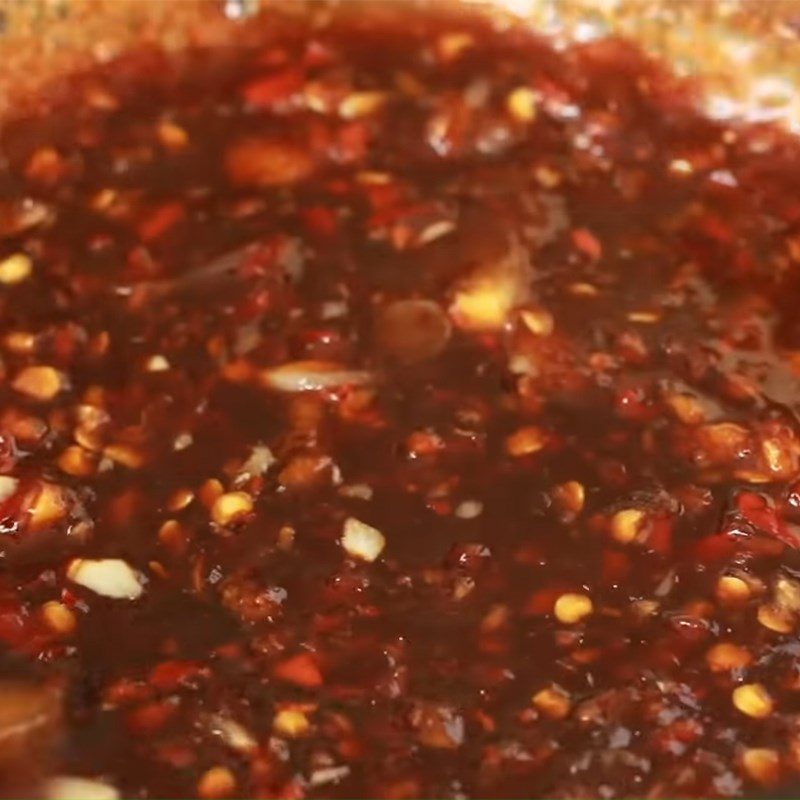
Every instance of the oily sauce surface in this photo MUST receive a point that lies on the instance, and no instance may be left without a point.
(399, 408)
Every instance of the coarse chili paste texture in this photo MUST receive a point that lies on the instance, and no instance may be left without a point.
(401, 407)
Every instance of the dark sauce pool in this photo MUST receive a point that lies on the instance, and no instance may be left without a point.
(401, 408)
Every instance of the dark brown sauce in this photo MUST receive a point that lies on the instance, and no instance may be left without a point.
(425, 399)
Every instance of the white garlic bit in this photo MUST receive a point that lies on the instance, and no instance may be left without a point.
(8, 486)
(312, 376)
(361, 540)
(327, 775)
(69, 787)
(469, 509)
(109, 577)
(232, 733)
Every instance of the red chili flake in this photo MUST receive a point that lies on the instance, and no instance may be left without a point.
(177, 756)
(760, 512)
(152, 717)
(615, 567)
(347, 693)
(350, 749)
(443, 508)
(273, 90)
(530, 554)
(229, 651)
(388, 201)
(423, 443)
(139, 264)
(755, 508)
(744, 263)
(714, 549)
(273, 57)
(319, 54)
(368, 611)
(345, 588)
(675, 738)
(585, 241)
(659, 537)
(490, 341)
(495, 644)
(171, 675)
(714, 227)
(320, 220)
(301, 670)
(15, 625)
(338, 187)
(47, 166)
(160, 220)
(767, 547)
(484, 720)
(126, 691)
(293, 790)
(635, 404)
(67, 342)
(692, 629)
(613, 473)
(327, 623)
(352, 142)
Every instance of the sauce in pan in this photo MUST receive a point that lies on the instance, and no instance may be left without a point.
(400, 408)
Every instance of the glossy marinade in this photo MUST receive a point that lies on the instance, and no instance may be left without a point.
(405, 407)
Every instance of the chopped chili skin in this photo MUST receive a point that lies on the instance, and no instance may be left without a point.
(403, 407)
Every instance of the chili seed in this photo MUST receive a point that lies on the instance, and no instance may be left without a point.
(627, 524)
(521, 104)
(59, 617)
(762, 764)
(15, 269)
(217, 782)
(731, 589)
(572, 608)
(753, 700)
(727, 656)
(775, 619)
(231, 507)
(40, 383)
(291, 723)
(553, 702)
